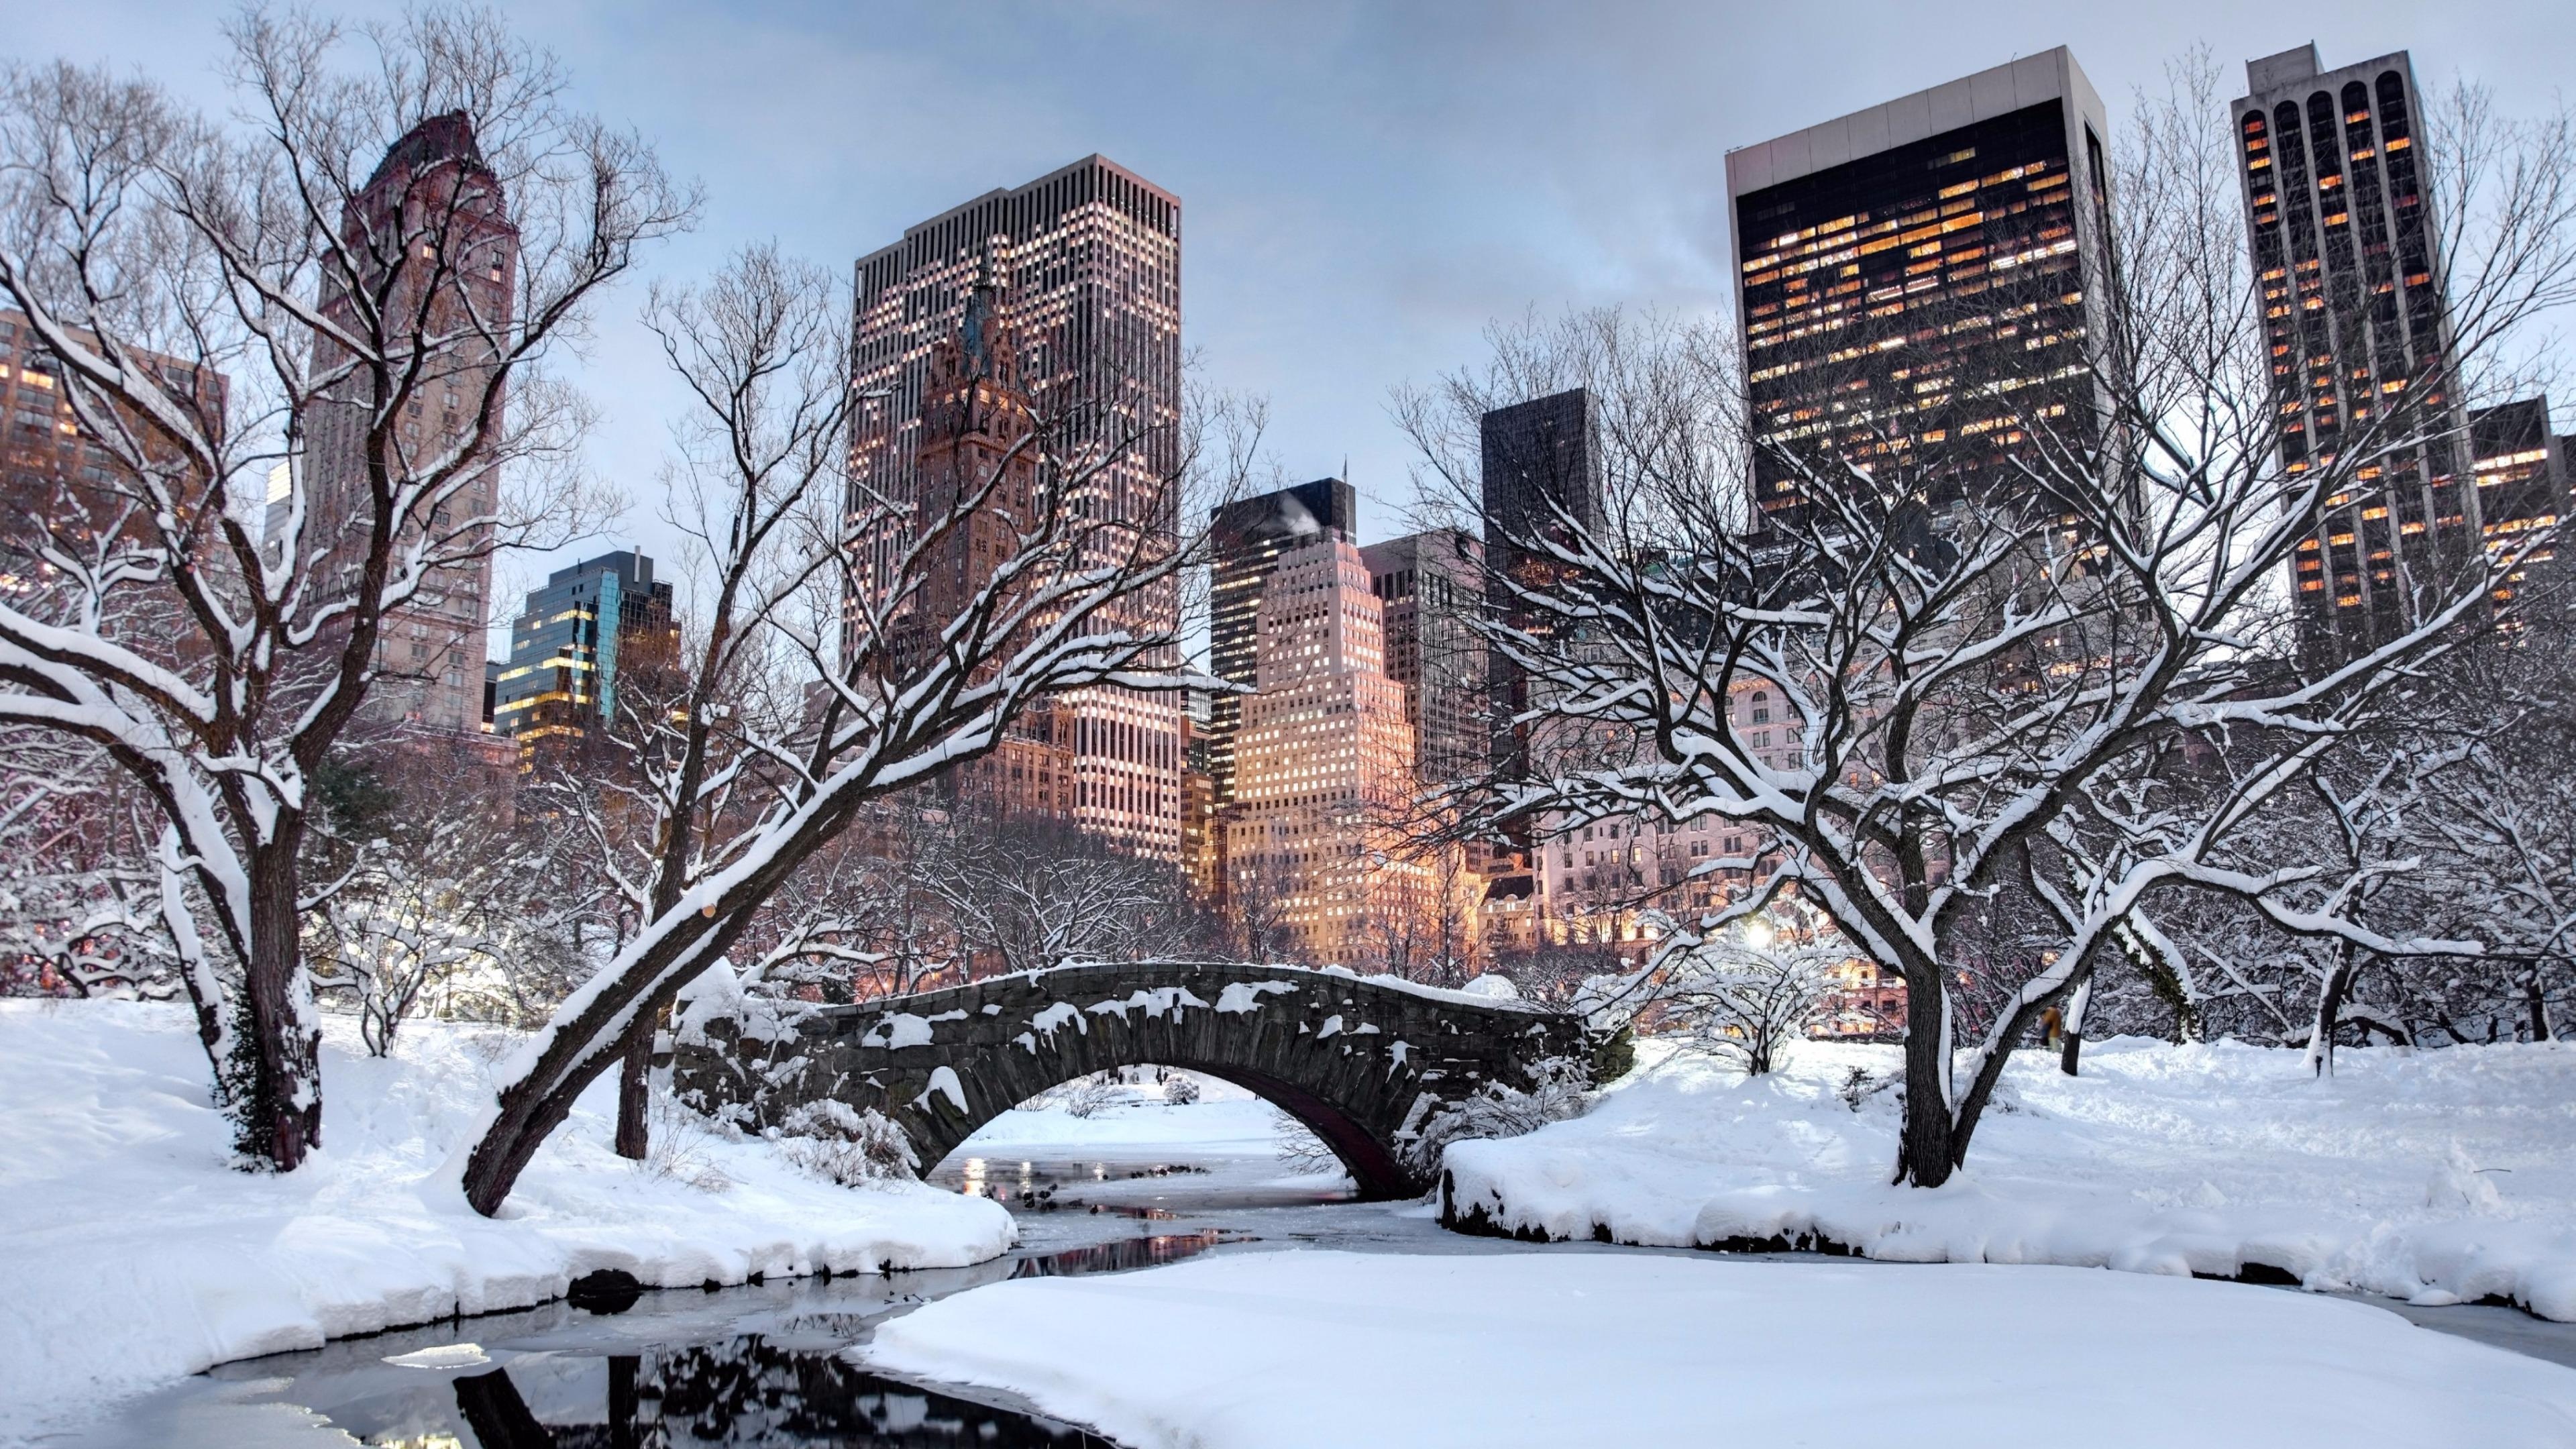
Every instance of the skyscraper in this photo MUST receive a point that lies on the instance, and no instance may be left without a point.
(2346, 251)
(1540, 469)
(1246, 539)
(590, 624)
(1323, 762)
(975, 415)
(1920, 286)
(1431, 586)
(433, 223)
(2522, 485)
(1084, 264)
(50, 470)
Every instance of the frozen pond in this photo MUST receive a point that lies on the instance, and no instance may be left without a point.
(1133, 1186)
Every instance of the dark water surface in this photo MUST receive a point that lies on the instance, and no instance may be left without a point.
(761, 1364)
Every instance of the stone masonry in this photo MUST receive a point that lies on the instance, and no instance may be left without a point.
(1363, 1063)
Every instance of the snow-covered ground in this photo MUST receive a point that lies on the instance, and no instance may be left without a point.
(1135, 1121)
(130, 1254)
(1273, 1350)
(2435, 1177)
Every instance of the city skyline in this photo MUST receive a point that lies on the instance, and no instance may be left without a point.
(1352, 264)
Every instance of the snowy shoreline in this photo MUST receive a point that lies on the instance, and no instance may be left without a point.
(2436, 1178)
(132, 1255)
(1547, 1349)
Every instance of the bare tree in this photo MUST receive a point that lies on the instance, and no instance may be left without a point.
(844, 648)
(1028, 895)
(438, 900)
(205, 291)
(1995, 687)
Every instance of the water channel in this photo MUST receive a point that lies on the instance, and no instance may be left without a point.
(768, 1364)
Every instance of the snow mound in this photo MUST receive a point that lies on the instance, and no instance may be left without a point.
(1602, 1348)
(130, 1254)
(2437, 1177)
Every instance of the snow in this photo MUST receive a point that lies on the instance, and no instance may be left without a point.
(2437, 1177)
(1226, 1121)
(1246, 996)
(131, 1254)
(901, 1029)
(1573, 1347)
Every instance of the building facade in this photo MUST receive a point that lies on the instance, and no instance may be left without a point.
(2522, 476)
(1431, 586)
(1323, 765)
(50, 469)
(2346, 252)
(1245, 541)
(1539, 472)
(434, 222)
(1919, 284)
(1084, 268)
(593, 622)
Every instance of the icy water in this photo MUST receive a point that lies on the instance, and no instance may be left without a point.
(762, 1364)
(770, 1364)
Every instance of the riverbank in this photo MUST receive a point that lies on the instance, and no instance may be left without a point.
(131, 1254)
(2437, 1177)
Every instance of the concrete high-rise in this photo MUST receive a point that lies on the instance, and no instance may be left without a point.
(55, 479)
(1246, 539)
(1920, 284)
(1085, 266)
(1323, 763)
(2346, 250)
(2523, 483)
(434, 225)
(1431, 586)
(1540, 467)
(591, 624)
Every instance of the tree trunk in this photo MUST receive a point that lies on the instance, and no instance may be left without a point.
(2329, 1013)
(274, 1086)
(623, 1401)
(1923, 1153)
(2072, 1048)
(634, 1134)
(2537, 1005)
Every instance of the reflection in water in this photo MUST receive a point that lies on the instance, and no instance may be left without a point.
(1124, 1253)
(749, 1391)
(654, 1370)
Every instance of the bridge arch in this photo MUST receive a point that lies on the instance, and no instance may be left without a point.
(1362, 1062)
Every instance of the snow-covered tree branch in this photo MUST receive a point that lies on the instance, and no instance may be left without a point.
(262, 314)
(2066, 678)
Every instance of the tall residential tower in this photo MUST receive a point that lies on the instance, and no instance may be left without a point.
(1919, 283)
(434, 226)
(2347, 256)
(1246, 539)
(1084, 265)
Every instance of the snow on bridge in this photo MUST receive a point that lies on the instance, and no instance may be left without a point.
(1362, 1061)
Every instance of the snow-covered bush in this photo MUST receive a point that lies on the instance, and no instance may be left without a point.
(1746, 993)
(835, 1140)
(1557, 1091)
(1180, 1089)
(679, 1147)
(1090, 1096)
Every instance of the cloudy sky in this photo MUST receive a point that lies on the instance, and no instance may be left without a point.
(1363, 186)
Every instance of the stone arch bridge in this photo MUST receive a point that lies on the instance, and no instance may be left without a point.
(1363, 1062)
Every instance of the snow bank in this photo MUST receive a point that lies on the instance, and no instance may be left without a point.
(130, 1254)
(1271, 1350)
(2438, 1177)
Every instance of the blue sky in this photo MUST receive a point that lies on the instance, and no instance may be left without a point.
(1363, 186)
